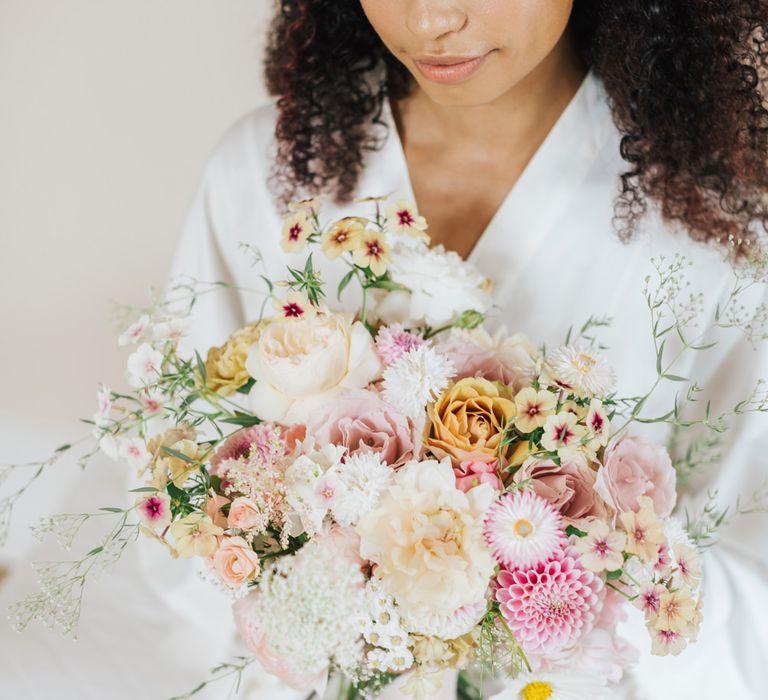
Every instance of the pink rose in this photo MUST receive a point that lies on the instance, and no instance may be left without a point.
(569, 487)
(258, 644)
(363, 422)
(634, 467)
(235, 562)
(244, 514)
(213, 507)
(471, 473)
(502, 358)
(341, 542)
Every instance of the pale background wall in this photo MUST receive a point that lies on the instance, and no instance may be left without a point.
(108, 110)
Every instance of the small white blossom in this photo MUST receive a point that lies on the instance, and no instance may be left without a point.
(134, 332)
(417, 378)
(144, 365)
(172, 329)
(134, 451)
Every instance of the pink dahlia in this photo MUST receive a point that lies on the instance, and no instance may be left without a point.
(523, 530)
(552, 605)
(392, 342)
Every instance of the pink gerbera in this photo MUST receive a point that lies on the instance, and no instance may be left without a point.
(523, 530)
(552, 605)
(392, 342)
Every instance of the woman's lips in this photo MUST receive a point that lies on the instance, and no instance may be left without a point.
(453, 72)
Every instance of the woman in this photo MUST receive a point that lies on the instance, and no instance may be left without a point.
(558, 145)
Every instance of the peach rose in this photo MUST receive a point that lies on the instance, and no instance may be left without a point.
(363, 422)
(298, 362)
(467, 421)
(213, 506)
(244, 514)
(633, 467)
(569, 487)
(235, 562)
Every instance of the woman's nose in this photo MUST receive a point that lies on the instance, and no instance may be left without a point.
(432, 19)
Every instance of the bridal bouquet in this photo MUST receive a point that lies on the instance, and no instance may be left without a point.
(396, 488)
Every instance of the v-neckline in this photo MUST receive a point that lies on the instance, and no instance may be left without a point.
(569, 125)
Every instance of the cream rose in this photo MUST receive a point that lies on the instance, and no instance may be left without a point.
(297, 362)
(426, 539)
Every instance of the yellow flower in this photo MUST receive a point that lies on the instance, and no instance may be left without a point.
(533, 407)
(225, 365)
(196, 535)
(310, 204)
(343, 236)
(677, 611)
(167, 467)
(295, 305)
(468, 420)
(372, 251)
(645, 532)
(402, 218)
(297, 228)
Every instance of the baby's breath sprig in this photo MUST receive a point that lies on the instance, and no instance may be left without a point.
(227, 669)
(58, 601)
(703, 527)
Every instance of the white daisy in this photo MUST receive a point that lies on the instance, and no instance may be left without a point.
(523, 530)
(553, 686)
(417, 378)
(365, 478)
(581, 370)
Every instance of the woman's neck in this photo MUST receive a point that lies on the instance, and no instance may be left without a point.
(510, 127)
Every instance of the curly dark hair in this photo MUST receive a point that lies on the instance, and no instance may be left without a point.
(684, 82)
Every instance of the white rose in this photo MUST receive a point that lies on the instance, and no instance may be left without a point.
(297, 362)
(443, 286)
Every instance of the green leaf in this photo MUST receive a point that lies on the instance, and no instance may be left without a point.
(613, 575)
(572, 530)
(659, 357)
(112, 510)
(344, 282)
(95, 550)
(63, 448)
(144, 489)
(178, 455)
(201, 368)
(389, 285)
(244, 420)
(674, 378)
(246, 388)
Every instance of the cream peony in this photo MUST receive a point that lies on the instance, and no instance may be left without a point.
(426, 539)
(297, 361)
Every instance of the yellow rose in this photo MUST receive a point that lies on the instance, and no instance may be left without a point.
(468, 420)
(225, 365)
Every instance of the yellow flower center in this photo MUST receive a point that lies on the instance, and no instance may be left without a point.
(537, 691)
(584, 363)
(523, 528)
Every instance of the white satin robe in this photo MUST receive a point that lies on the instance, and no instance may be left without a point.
(555, 259)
